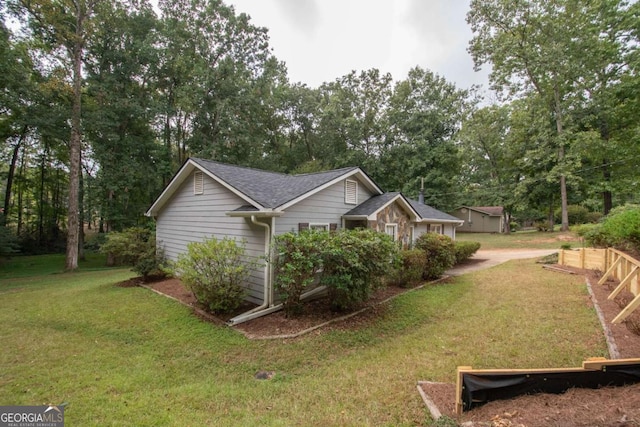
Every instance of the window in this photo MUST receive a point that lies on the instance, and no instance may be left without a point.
(198, 183)
(319, 227)
(392, 230)
(435, 228)
(351, 192)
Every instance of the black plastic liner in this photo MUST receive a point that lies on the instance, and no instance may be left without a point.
(479, 388)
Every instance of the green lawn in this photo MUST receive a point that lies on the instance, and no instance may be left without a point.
(523, 240)
(126, 356)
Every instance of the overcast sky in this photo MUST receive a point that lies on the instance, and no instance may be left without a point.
(321, 40)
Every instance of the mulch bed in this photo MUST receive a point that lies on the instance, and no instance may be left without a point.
(613, 406)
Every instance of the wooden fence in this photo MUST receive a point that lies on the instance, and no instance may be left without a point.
(616, 265)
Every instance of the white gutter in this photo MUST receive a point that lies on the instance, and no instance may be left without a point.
(266, 295)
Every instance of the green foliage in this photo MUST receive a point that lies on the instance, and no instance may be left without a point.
(577, 214)
(594, 217)
(542, 226)
(215, 271)
(298, 260)
(408, 270)
(593, 235)
(465, 250)
(136, 247)
(354, 263)
(622, 227)
(439, 254)
(93, 242)
(8, 242)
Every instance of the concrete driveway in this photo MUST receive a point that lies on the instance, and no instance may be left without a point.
(491, 257)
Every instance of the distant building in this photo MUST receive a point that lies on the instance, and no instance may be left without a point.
(480, 219)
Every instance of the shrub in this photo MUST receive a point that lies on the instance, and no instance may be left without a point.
(135, 247)
(541, 226)
(93, 242)
(439, 254)
(8, 242)
(408, 270)
(128, 245)
(214, 270)
(354, 262)
(298, 260)
(593, 235)
(577, 214)
(514, 226)
(594, 217)
(622, 227)
(465, 250)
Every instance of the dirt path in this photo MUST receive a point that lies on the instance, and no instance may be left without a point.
(491, 257)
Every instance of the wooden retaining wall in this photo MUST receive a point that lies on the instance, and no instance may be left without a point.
(616, 265)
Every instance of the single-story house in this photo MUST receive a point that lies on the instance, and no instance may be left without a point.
(481, 219)
(207, 198)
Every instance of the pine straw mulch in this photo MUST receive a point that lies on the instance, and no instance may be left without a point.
(611, 406)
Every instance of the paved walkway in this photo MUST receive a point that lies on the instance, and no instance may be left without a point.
(491, 257)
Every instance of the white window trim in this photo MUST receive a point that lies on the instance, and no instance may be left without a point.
(438, 226)
(198, 183)
(346, 192)
(319, 226)
(395, 230)
(412, 234)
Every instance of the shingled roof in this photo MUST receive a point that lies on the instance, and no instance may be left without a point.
(427, 212)
(262, 190)
(270, 189)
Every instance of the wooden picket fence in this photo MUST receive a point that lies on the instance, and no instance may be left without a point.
(616, 265)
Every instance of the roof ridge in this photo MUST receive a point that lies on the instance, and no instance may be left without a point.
(327, 171)
(239, 166)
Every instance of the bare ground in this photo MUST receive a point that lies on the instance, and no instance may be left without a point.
(617, 406)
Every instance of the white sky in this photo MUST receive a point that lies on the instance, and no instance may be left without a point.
(321, 40)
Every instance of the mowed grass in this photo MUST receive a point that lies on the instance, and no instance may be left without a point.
(128, 357)
(523, 240)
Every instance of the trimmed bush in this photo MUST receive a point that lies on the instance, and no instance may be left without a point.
(298, 260)
(135, 247)
(408, 270)
(465, 250)
(541, 226)
(439, 254)
(214, 270)
(354, 262)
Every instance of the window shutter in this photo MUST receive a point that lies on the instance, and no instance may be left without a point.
(303, 226)
(333, 227)
(351, 192)
(198, 183)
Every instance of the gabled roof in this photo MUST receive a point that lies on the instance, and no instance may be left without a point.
(376, 203)
(489, 210)
(419, 212)
(262, 190)
(428, 213)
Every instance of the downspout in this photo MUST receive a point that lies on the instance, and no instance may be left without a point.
(266, 295)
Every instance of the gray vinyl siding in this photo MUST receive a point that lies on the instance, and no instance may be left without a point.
(325, 207)
(478, 222)
(189, 218)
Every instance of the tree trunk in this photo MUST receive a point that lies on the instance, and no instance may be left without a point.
(12, 171)
(75, 146)
(561, 153)
(81, 256)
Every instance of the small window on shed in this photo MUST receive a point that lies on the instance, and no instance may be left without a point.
(351, 192)
(198, 183)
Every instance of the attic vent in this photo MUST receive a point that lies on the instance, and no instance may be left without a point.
(198, 183)
(351, 192)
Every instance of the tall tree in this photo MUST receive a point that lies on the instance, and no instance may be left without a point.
(64, 25)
